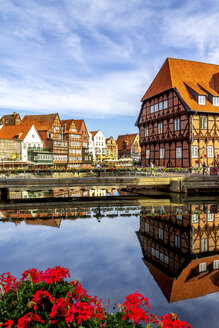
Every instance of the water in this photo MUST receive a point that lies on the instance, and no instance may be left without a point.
(109, 250)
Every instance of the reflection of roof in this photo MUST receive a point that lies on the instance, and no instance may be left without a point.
(47, 222)
(41, 122)
(15, 132)
(190, 283)
(176, 72)
(128, 139)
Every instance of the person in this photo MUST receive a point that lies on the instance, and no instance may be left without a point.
(151, 168)
(204, 167)
(97, 167)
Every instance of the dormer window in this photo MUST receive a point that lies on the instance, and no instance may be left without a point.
(201, 100)
(215, 101)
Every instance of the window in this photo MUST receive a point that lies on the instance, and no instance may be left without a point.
(194, 218)
(178, 152)
(162, 152)
(147, 153)
(215, 101)
(166, 259)
(156, 107)
(203, 122)
(210, 216)
(33, 135)
(177, 241)
(177, 124)
(165, 104)
(146, 131)
(147, 227)
(210, 151)
(194, 151)
(152, 108)
(160, 128)
(204, 244)
(160, 233)
(153, 252)
(202, 267)
(216, 264)
(179, 213)
(201, 100)
(160, 105)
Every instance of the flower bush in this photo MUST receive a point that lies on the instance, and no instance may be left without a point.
(46, 299)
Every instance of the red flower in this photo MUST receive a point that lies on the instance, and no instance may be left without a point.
(33, 274)
(59, 310)
(54, 274)
(40, 298)
(28, 319)
(7, 281)
(7, 324)
(171, 320)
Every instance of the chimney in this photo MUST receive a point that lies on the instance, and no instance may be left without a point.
(14, 114)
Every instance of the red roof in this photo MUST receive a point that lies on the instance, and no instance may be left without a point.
(41, 122)
(15, 132)
(93, 133)
(179, 73)
(128, 138)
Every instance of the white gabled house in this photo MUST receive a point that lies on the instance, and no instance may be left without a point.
(99, 141)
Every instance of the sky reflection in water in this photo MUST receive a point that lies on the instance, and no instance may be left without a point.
(104, 256)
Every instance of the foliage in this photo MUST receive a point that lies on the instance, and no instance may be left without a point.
(46, 299)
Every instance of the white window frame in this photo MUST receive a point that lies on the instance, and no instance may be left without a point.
(204, 122)
(178, 152)
(152, 109)
(215, 101)
(160, 105)
(177, 124)
(210, 216)
(194, 151)
(160, 127)
(216, 264)
(162, 153)
(204, 244)
(210, 151)
(147, 153)
(195, 218)
(202, 267)
(146, 131)
(156, 108)
(201, 100)
(165, 104)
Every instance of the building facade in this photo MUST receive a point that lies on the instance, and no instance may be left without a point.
(50, 130)
(128, 146)
(179, 118)
(87, 156)
(13, 119)
(99, 145)
(74, 139)
(111, 149)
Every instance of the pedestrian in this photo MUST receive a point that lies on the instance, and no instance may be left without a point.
(97, 167)
(204, 168)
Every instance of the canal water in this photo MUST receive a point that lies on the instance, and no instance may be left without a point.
(167, 251)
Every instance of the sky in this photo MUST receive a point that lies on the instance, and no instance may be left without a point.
(95, 59)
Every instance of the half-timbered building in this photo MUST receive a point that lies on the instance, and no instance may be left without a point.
(180, 247)
(50, 130)
(128, 146)
(179, 117)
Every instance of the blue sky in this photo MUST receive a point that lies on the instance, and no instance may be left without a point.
(94, 59)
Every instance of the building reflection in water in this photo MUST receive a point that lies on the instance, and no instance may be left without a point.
(180, 247)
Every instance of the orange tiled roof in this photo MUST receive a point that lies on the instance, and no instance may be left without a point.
(176, 73)
(68, 124)
(128, 138)
(15, 132)
(78, 124)
(41, 122)
(93, 133)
